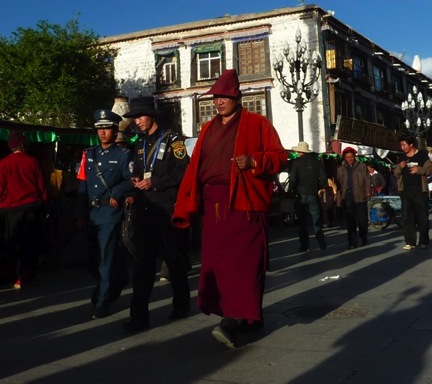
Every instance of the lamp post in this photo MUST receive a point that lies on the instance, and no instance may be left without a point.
(417, 114)
(299, 88)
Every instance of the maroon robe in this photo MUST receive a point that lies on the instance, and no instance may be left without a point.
(234, 243)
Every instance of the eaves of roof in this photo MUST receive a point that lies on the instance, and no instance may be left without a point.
(217, 22)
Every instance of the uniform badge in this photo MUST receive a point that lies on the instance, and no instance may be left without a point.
(140, 151)
(130, 166)
(179, 149)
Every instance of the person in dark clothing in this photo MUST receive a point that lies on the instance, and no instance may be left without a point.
(23, 197)
(392, 185)
(377, 182)
(411, 173)
(327, 201)
(160, 161)
(104, 176)
(353, 194)
(308, 177)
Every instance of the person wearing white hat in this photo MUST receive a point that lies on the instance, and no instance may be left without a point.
(308, 177)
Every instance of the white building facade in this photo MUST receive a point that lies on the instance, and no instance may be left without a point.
(178, 64)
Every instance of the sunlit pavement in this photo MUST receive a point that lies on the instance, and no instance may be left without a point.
(336, 316)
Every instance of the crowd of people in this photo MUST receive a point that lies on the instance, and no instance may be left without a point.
(226, 185)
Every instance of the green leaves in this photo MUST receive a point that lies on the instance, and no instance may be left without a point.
(54, 75)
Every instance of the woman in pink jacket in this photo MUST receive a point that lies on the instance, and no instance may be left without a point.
(229, 183)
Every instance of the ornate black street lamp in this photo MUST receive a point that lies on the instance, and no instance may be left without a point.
(417, 114)
(299, 88)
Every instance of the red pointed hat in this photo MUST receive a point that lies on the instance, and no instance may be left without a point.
(227, 85)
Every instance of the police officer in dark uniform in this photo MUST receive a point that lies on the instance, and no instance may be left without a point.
(160, 160)
(104, 175)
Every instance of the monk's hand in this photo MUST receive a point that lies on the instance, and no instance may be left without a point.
(245, 162)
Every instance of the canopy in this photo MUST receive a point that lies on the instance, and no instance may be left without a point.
(47, 134)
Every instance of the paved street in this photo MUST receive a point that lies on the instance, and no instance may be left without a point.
(339, 316)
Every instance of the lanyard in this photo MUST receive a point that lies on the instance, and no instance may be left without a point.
(154, 154)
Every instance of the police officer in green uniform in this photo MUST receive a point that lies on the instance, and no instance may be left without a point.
(104, 175)
(160, 160)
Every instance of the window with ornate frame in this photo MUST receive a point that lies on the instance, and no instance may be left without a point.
(206, 110)
(167, 68)
(169, 114)
(331, 55)
(360, 71)
(359, 67)
(207, 61)
(255, 103)
(379, 79)
(338, 56)
(343, 104)
(252, 57)
(398, 86)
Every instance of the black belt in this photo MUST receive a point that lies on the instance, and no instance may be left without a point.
(96, 203)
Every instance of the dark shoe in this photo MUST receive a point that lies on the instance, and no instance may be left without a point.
(178, 314)
(247, 327)
(352, 246)
(100, 312)
(365, 242)
(323, 245)
(423, 246)
(135, 325)
(303, 249)
(224, 335)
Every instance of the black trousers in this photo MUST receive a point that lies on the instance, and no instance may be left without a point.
(415, 211)
(158, 236)
(23, 238)
(309, 205)
(356, 216)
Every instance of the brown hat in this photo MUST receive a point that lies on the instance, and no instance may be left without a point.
(16, 138)
(227, 85)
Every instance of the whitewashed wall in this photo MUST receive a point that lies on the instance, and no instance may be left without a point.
(134, 67)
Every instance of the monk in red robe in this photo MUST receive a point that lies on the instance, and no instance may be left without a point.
(229, 183)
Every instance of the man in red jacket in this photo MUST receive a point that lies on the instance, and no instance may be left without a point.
(22, 200)
(229, 181)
